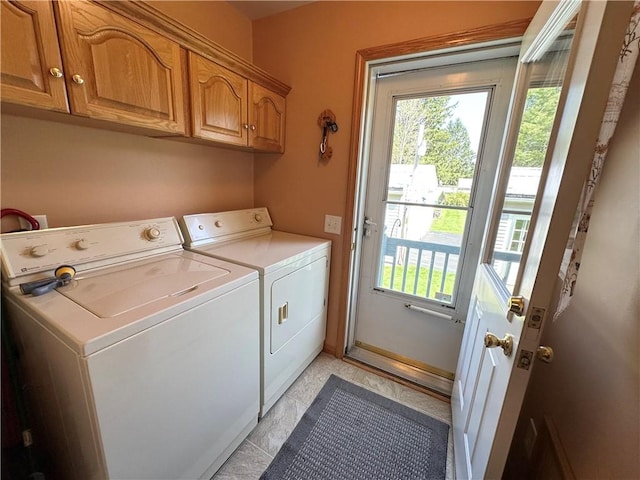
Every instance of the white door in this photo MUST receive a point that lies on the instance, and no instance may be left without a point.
(436, 136)
(566, 64)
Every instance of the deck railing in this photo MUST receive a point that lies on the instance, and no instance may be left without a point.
(399, 254)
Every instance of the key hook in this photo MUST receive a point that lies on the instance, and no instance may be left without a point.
(326, 121)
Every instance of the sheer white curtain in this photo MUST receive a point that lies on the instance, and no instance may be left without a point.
(619, 86)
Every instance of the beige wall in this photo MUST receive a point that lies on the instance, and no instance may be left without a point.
(216, 20)
(312, 48)
(592, 388)
(80, 175)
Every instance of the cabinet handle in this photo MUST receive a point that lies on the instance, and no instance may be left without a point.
(55, 72)
(253, 128)
(245, 126)
(77, 79)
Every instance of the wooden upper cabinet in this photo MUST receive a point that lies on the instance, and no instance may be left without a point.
(266, 119)
(218, 102)
(119, 71)
(31, 65)
(126, 63)
(228, 108)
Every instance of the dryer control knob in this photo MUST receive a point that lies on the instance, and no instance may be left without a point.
(82, 244)
(218, 223)
(39, 251)
(152, 233)
(257, 217)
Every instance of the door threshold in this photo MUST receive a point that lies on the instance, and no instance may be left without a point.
(430, 381)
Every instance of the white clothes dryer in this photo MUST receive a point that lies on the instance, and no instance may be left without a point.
(145, 365)
(294, 282)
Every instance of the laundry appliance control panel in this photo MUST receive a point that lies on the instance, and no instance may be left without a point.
(26, 253)
(205, 228)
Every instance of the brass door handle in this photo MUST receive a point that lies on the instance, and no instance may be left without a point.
(506, 343)
(77, 79)
(516, 305)
(545, 354)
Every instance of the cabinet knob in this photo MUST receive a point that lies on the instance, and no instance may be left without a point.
(55, 72)
(253, 128)
(245, 126)
(77, 79)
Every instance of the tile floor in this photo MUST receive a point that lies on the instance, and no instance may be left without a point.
(254, 455)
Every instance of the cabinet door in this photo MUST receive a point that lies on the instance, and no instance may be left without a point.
(218, 102)
(267, 119)
(30, 53)
(119, 71)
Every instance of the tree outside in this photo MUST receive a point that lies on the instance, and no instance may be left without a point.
(445, 140)
(429, 131)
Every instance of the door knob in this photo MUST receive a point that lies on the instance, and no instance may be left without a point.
(516, 305)
(506, 343)
(545, 354)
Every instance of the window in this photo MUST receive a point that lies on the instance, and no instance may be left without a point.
(436, 140)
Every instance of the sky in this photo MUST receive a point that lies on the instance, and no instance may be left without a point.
(470, 110)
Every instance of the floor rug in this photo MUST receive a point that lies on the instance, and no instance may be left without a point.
(350, 433)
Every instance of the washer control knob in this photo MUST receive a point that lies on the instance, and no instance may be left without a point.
(218, 223)
(82, 244)
(257, 217)
(39, 251)
(200, 227)
(152, 233)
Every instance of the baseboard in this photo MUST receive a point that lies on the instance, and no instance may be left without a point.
(549, 457)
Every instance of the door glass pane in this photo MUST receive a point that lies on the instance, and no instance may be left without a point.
(436, 140)
(528, 159)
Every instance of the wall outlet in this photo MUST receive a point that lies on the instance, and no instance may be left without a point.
(332, 224)
(42, 219)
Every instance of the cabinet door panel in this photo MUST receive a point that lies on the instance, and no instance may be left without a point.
(129, 74)
(30, 49)
(267, 114)
(218, 102)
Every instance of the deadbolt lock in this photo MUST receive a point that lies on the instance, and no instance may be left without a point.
(516, 305)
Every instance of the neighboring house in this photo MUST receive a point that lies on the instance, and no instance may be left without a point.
(413, 184)
(516, 215)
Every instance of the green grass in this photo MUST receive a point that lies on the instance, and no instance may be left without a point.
(423, 279)
(449, 221)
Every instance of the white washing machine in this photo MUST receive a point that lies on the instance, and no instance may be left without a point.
(144, 366)
(294, 281)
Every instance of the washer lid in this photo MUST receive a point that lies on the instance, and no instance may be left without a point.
(110, 294)
(266, 253)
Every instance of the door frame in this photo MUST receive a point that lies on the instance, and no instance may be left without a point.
(451, 42)
(430, 337)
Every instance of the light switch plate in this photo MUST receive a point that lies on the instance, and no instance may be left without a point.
(332, 224)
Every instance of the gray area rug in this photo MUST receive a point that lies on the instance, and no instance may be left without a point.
(350, 433)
